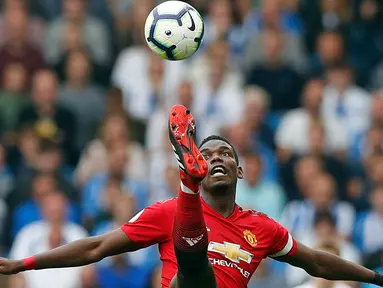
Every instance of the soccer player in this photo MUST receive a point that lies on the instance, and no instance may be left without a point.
(205, 239)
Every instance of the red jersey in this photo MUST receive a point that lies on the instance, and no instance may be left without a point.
(237, 244)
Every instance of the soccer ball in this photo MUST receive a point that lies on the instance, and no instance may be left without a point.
(174, 30)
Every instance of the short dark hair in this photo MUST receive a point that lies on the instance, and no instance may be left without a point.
(221, 138)
(342, 65)
(325, 216)
(48, 146)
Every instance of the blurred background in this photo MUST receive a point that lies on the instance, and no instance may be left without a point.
(296, 85)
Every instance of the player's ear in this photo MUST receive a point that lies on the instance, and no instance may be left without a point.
(240, 173)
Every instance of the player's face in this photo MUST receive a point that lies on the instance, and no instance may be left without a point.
(223, 169)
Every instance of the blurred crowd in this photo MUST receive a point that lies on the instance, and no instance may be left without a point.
(296, 85)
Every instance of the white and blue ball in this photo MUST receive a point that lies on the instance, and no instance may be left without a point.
(174, 30)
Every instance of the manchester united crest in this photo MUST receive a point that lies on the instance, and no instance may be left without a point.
(250, 238)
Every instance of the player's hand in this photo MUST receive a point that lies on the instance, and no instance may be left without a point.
(8, 267)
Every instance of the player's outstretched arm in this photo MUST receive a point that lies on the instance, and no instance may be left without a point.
(331, 267)
(78, 253)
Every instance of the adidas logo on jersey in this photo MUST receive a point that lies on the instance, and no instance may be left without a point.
(193, 241)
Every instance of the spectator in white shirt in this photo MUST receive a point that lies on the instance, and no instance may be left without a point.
(324, 230)
(158, 121)
(345, 100)
(219, 92)
(298, 216)
(293, 133)
(307, 168)
(94, 159)
(257, 102)
(42, 236)
(332, 248)
(146, 81)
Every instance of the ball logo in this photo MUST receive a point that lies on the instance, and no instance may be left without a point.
(250, 238)
(192, 27)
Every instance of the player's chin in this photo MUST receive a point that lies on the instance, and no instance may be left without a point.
(222, 181)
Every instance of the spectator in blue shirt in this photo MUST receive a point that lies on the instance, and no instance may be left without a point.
(101, 188)
(30, 211)
(123, 208)
(370, 224)
(260, 194)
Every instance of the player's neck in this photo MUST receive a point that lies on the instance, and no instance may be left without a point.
(223, 203)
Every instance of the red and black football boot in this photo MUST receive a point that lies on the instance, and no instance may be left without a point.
(182, 132)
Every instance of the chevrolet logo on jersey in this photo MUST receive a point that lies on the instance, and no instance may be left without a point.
(231, 251)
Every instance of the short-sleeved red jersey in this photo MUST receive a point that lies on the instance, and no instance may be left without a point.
(237, 244)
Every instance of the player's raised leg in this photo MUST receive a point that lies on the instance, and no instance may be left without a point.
(189, 230)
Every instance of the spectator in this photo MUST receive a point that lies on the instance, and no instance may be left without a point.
(264, 277)
(94, 160)
(12, 99)
(219, 21)
(129, 20)
(279, 15)
(36, 27)
(157, 124)
(255, 112)
(121, 274)
(218, 90)
(240, 135)
(332, 248)
(114, 105)
(82, 97)
(259, 194)
(298, 216)
(333, 165)
(329, 51)
(325, 230)
(96, 188)
(169, 188)
(144, 79)
(293, 133)
(50, 232)
(29, 211)
(365, 139)
(25, 152)
(307, 168)
(272, 15)
(279, 79)
(17, 48)
(343, 99)
(162, 163)
(50, 119)
(47, 159)
(366, 40)
(324, 15)
(82, 30)
(371, 143)
(233, 22)
(137, 265)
